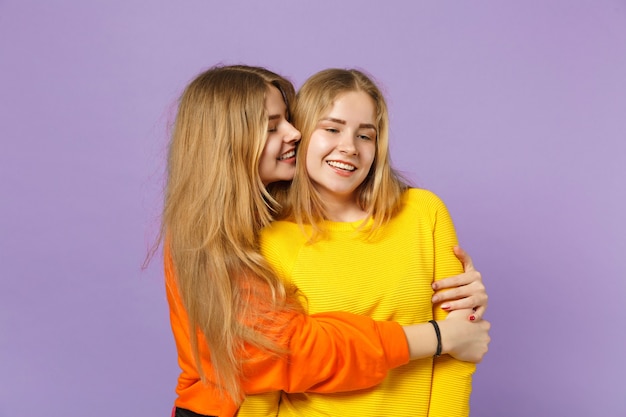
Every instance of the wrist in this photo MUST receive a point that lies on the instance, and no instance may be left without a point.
(447, 336)
(438, 335)
(421, 340)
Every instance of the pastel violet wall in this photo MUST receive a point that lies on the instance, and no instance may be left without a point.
(513, 112)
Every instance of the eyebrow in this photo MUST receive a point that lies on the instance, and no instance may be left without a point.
(274, 117)
(343, 122)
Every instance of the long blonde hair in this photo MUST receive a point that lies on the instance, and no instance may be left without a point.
(379, 195)
(215, 205)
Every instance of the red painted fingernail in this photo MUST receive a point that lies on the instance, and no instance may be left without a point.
(472, 317)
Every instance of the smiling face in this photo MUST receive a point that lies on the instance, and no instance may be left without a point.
(342, 148)
(278, 159)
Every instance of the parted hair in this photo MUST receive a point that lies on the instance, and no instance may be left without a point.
(215, 205)
(380, 194)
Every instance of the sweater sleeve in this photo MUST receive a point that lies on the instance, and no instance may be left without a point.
(452, 379)
(329, 352)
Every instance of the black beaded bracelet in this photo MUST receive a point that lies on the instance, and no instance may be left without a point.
(438, 332)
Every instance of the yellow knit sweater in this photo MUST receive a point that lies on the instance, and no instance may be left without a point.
(388, 278)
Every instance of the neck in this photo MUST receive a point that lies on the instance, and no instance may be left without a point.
(343, 210)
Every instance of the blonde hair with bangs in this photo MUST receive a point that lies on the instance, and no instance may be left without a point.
(379, 195)
(215, 205)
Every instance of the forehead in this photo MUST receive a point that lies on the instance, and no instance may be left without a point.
(356, 106)
(274, 103)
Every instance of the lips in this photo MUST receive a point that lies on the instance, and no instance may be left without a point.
(342, 165)
(289, 154)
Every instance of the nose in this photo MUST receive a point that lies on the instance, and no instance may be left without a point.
(346, 144)
(292, 135)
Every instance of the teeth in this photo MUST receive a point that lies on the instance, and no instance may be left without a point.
(287, 155)
(341, 165)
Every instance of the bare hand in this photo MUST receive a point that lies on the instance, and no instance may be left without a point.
(463, 291)
(464, 340)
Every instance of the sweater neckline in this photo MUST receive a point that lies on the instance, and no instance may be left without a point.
(347, 226)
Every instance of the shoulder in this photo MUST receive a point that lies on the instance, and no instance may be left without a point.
(282, 230)
(419, 198)
(281, 239)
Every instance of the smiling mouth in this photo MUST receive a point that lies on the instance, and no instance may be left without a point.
(287, 155)
(341, 165)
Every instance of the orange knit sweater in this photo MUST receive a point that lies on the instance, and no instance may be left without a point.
(329, 352)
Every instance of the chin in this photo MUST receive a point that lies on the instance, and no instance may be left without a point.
(282, 178)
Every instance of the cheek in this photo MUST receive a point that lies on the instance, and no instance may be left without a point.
(309, 161)
(320, 144)
(270, 146)
(271, 151)
(268, 156)
(265, 166)
(313, 152)
(369, 153)
(315, 155)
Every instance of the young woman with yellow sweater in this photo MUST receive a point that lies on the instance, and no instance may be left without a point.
(357, 238)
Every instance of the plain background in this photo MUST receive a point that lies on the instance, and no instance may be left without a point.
(514, 112)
